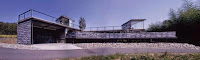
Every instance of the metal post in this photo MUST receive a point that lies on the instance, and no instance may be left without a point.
(126, 35)
(31, 32)
(31, 12)
(143, 24)
(73, 41)
(109, 35)
(18, 17)
(24, 15)
(52, 19)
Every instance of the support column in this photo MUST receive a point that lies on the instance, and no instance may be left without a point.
(143, 24)
(31, 31)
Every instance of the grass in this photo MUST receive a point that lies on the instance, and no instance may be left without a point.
(8, 36)
(9, 41)
(142, 56)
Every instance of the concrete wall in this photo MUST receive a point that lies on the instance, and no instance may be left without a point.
(24, 32)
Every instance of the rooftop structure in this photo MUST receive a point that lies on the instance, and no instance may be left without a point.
(65, 21)
(132, 24)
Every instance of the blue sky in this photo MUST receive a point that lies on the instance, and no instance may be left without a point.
(96, 12)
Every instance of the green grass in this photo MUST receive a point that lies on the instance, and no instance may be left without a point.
(142, 56)
(8, 36)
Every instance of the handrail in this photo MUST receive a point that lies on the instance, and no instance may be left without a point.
(45, 14)
(31, 11)
(104, 28)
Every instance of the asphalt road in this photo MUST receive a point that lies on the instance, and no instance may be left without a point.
(17, 54)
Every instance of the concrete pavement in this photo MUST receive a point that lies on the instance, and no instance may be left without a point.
(19, 54)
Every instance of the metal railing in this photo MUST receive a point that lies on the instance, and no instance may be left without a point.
(37, 14)
(103, 28)
(31, 12)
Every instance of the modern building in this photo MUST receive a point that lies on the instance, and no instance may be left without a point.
(34, 30)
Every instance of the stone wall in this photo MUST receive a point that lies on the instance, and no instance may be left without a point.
(24, 32)
(123, 35)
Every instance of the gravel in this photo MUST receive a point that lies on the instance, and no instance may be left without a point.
(67, 46)
(138, 45)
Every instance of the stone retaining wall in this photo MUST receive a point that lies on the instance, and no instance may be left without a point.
(122, 35)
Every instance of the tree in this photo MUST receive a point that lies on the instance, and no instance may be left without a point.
(82, 23)
(154, 27)
(172, 14)
(187, 4)
(186, 23)
(8, 28)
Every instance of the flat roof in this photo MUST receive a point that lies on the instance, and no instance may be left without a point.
(134, 20)
(45, 21)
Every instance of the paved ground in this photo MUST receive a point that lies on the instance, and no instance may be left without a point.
(17, 54)
(55, 46)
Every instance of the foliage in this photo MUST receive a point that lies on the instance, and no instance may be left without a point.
(142, 56)
(188, 14)
(155, 27)
(186, 22)
(82, 23)
(8, 28)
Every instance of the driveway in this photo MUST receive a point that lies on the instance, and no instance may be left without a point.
(19, 54)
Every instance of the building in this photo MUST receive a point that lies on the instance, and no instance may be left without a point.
(33, 30)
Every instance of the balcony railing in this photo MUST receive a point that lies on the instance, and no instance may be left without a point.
(43, 16)
(103, 28)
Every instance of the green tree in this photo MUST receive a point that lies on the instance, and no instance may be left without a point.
(154, 27)
(82, 23)
(8, 28)
(187, 4)
(186, 23)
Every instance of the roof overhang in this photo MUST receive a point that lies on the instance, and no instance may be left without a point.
(134, 20)
(42, 22)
